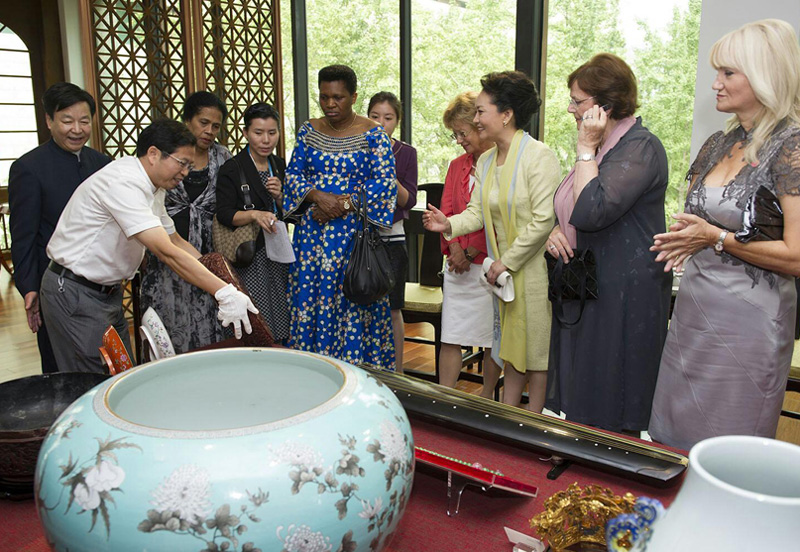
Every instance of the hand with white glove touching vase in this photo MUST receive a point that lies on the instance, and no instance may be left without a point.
(233, 307)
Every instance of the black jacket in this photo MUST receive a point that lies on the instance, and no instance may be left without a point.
(230, 197)
(40, 183)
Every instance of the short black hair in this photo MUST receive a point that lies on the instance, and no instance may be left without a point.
(389, 98)
(260, 111)
(198, 101)
(513, 90)
(343, 73)
(63, 95)
(165, 134)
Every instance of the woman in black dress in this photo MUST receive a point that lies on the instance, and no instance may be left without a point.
(188, 313)
(603, 371)
(265, 279)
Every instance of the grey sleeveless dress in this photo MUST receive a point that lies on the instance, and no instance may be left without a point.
(727, 355)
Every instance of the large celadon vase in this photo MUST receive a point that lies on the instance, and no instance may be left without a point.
(740, 493)
(237, 449)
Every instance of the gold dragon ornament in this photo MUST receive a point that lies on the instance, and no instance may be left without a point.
(578, 516)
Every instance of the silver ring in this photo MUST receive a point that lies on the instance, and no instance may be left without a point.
(551, 246)
(587, 117)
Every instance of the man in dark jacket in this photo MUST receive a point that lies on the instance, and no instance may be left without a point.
(40, 184)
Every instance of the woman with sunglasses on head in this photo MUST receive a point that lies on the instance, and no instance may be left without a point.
(513, 201)
(265, 279)
(385, 109)
(603, 368)
(189, 314)
(340, 159)
(729, 349)
(467, 308)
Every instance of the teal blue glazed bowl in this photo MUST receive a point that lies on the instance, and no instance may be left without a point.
(237, 449)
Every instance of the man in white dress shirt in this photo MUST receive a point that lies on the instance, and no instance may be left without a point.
(100, 240)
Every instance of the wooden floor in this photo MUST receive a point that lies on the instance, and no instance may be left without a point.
(19, 355)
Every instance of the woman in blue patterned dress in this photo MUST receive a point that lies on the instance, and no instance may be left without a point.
(336, 157)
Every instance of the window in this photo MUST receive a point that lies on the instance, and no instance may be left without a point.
(453, 45)
(17, 115)
(362, 34)
(659, 41)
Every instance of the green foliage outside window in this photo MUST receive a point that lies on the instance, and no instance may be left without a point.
(454, 45)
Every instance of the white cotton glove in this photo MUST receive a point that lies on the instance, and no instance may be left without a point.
(233, 307)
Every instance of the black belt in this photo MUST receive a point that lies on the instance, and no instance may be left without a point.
(68, 274)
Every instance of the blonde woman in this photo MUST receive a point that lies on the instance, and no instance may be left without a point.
(467, 308)
(513, 201)
(725, 363)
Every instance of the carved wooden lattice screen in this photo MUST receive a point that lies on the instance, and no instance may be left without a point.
(136, 66)
(241, 57)
(143, 57)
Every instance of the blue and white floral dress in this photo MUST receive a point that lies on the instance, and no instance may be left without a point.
(322, 319)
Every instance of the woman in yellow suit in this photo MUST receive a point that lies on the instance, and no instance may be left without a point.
(513, 201)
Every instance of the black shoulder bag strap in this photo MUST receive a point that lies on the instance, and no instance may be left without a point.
(248, 202)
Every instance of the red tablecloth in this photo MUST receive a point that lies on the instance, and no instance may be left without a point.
(482, 516)
(426, 525)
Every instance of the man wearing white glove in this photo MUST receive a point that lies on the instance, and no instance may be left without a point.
(233, 304)
(100, 240)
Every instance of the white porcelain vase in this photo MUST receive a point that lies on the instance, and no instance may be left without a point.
(740, 493)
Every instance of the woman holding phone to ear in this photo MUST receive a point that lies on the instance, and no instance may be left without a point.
(603, 370)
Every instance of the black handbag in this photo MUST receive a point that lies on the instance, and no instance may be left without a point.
(762, 218)
(573, 281)
(238, 246)
(368, 276)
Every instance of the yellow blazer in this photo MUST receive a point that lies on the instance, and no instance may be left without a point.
(538, 177)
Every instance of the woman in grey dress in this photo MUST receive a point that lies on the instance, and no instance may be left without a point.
(729, 348)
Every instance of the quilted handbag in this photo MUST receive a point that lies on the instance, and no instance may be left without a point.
(573, 281)
(368, 276)
(238, 246)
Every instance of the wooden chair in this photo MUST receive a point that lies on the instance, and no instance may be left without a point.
(5, 250)
(792, 386)
(423, 301)
(114, 353)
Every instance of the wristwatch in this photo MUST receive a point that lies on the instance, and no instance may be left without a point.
(585, 157)
(718, 247)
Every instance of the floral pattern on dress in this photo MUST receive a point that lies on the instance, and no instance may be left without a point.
(323, 320)
(189, 314)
